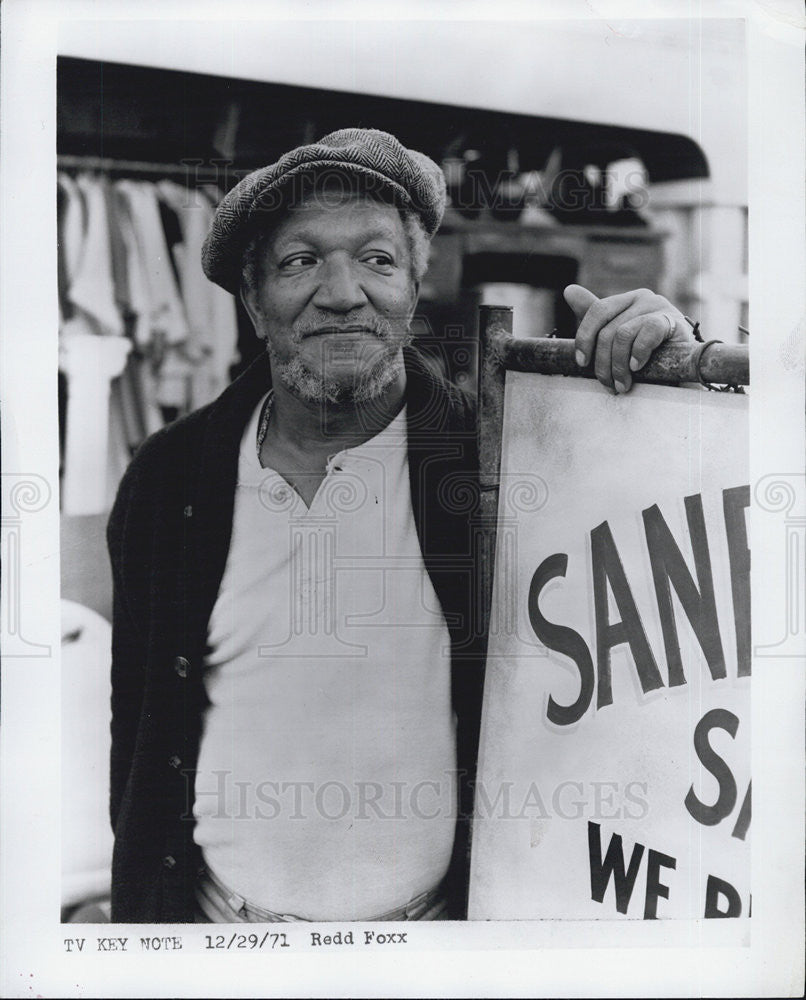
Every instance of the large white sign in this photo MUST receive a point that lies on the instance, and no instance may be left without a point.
(614, 774)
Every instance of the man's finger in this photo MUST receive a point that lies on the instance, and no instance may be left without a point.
(633, 343)
(598, 315)
(648, 337)
(622, 334)
(603, 364)
(579, 299)
(622, 346)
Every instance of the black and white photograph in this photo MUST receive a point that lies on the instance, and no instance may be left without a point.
(403, 499)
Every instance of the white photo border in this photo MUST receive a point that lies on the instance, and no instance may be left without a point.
(468, 959)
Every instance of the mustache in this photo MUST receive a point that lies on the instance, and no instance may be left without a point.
(377, 326)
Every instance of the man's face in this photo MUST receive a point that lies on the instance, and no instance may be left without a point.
(335, 298)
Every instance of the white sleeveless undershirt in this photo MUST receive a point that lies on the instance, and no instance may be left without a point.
(326, 784)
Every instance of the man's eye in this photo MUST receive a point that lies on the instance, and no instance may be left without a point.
(379, 259)
(297, 262)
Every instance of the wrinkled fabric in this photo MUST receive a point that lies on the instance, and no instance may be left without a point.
(210, 311)
(91, 291)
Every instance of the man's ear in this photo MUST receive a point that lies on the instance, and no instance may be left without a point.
(416, 297)
(248, 297)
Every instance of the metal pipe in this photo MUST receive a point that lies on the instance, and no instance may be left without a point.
(670, 364)
(495, 328)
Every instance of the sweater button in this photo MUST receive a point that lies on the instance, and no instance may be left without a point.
(181, 666)
(169, 861)
(188, 511)
(175, 762)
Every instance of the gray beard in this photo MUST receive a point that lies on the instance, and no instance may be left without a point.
(315, 388)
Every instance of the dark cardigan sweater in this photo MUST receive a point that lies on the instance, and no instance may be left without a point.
(168, 536)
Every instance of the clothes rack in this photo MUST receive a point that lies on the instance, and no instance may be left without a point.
(144, 337)
(219, 173)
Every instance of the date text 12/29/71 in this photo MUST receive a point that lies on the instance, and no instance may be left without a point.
(245, 942)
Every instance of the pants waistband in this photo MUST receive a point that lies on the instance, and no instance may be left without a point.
(221, 905)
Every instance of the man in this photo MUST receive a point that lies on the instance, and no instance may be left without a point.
(296, 667)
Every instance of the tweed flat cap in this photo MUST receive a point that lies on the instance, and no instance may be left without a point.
(374, 158)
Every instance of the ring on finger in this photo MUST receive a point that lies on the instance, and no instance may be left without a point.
(670, 320)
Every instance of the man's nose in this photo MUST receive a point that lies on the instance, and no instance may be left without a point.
(339, 286)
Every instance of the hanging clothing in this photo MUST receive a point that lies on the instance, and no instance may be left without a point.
(129, 267)
(137, 302)
(210, 311)
(168, 330)
(92, 291)
(71, 227)
(167, 320)
(117, 251)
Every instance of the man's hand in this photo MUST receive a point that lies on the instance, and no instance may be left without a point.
(620, 332)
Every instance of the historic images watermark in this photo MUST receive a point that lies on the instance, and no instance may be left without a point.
(23, 496)
(226, 797)
(780, 499)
